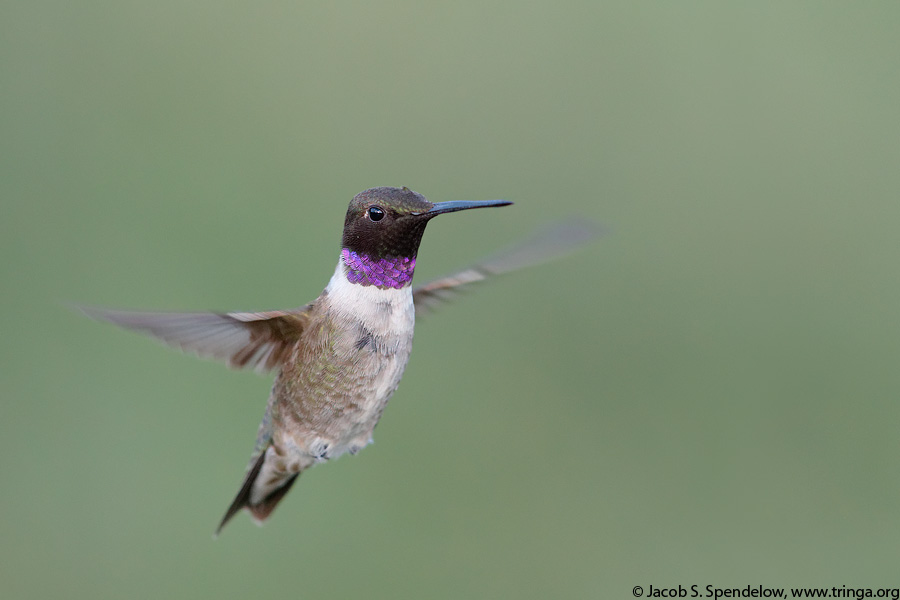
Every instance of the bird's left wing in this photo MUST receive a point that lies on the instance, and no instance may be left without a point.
(257, 340)
(555, 241)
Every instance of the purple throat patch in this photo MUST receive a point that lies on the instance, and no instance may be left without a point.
(394, 272)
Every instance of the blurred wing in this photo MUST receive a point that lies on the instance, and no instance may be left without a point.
(548, 244)
(261, 341)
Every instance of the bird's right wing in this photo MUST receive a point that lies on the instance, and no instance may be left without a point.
(548, 244)
(260, 340)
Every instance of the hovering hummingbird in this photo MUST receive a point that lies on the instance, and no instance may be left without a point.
(340, 357)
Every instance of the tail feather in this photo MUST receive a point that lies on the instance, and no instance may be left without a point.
(260, 510)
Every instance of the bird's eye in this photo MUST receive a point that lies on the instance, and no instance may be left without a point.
(376, 213)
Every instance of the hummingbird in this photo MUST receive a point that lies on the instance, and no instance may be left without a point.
(339, 358)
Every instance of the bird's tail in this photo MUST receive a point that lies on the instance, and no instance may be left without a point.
(262, 490)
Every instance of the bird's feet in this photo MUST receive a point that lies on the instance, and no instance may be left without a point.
(319, 449)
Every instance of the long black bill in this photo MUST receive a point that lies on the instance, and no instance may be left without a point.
(454, 205)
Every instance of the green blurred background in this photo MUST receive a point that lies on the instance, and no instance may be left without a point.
(709, 395)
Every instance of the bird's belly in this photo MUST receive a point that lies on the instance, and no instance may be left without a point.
(325, 426)
(330, 400)
(354, 428)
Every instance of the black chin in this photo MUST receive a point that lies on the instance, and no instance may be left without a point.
(400, 238)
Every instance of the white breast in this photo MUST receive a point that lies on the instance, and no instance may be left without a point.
(385, 312)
